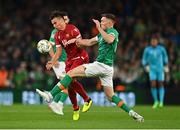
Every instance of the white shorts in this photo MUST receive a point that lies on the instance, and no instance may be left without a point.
(60, 70)
(101, 70)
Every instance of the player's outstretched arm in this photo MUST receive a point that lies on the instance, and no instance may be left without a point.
(86, 42)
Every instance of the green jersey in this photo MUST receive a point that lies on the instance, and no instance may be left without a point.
(52, 40)
(106, 51)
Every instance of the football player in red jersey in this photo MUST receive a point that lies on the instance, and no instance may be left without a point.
(75, 56)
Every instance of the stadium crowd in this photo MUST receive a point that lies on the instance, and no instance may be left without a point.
(23, 23)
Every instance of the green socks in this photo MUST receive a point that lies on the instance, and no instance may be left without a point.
(55, 90)
(61, 96)
(65, 82)
(120, 103)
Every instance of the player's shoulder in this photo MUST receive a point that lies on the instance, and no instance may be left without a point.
(148, 47)
(112, 30)
(160, 46)
(54, 30)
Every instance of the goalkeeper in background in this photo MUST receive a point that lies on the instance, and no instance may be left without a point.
(155, 62)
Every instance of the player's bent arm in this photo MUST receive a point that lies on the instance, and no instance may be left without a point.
(145, 57)
(109, 38)
(51, 52)
(87, 42)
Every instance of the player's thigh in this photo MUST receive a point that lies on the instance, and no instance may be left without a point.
(152, 75)
(97, 69)
(160, 76)
(77, 72)
(60, 70)
(107, 80)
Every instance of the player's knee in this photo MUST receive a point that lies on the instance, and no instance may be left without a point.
(70, 73)
(161, 84)
(109, 98)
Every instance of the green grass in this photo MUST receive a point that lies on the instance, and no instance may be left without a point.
(39, 116)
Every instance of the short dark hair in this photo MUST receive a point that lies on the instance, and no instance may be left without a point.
(57, 13)
(154, 36)
(109, 16)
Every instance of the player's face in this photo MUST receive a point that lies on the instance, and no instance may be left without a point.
(104, 23)
(154, 41)
(58, 23)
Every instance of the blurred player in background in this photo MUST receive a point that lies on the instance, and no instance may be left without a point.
(59, 68)
(102, 67)
(75, 57)
(155, 62)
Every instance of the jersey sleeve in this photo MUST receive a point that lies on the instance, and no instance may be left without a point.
(145, 57)
(57, 39)
(114, 33)
(52, 37)
(75, 32)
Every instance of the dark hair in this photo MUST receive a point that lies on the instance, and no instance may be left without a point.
(109, 16)
(154, 36)
(57, 13)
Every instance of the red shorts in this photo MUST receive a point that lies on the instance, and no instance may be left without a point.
(75, 62)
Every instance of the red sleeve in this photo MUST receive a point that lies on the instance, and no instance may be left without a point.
(57, 39)
(75, 32)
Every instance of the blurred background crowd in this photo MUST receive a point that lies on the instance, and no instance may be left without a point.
(24, 22)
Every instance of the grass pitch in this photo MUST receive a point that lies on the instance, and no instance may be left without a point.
(39, 117)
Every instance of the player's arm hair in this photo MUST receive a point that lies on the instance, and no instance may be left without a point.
(87, 42)
(56, 55)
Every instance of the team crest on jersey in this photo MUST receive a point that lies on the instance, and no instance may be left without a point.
(64, 42)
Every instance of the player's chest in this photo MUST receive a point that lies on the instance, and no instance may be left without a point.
(64, 38)
(155, 53)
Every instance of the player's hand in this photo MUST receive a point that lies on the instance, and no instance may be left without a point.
(147, 69)
(166, 69)
(71, 41)
(49, 65)
(98, 25)
(78, 42)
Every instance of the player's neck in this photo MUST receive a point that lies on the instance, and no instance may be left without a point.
(63, 27)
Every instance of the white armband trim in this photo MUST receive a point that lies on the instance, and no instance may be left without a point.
(52, 43)
(112, 34)
(96, 38)
(58, 45)
(78, 36)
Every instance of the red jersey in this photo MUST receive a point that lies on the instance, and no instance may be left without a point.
(72, 50)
